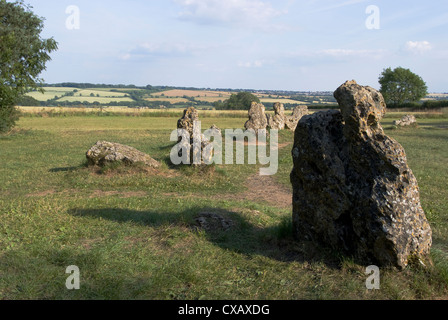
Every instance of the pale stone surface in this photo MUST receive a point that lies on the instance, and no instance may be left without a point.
(212, 221)
(277, 122)
(257, 118)
(104, 152)
(187, 143)
(298, 113)
(407, 120)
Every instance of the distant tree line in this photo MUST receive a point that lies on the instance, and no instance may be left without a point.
(425, 105)
(399, 87)
(96, 85)
(240, 101)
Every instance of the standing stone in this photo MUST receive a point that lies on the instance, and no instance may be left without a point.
(257, 118)
(199, 154)
(352, 188)
(277, 121)
(407, 120)
(297, 114)
(186, 122)
(215, 130)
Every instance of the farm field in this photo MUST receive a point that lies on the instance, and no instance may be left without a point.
(281, 100)
(214, 96)
(133, 233)
(193, 93)
(90, 95)
(91, 99)
(173, 98)
(106, 96)
(50, 93)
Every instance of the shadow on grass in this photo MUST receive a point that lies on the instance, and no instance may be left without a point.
(82, 165)
(64, 169)
(275, 242)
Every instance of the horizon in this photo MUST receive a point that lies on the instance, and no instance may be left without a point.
(286, 45)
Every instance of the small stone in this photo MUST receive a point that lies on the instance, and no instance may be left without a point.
(407, 120)
(211, 221)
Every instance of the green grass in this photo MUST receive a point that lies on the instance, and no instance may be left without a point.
(50, 93)
(132, 233)
(90, 99)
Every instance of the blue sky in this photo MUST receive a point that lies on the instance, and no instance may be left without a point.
(250, 44)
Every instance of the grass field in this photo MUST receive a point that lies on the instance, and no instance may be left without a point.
(133, 233)
(50, 93)
(90, 99)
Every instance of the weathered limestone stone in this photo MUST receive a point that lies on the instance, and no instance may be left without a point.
(352, 188)
(198, 153)
(187, 121)
(277, 121)
(297, 114)
(407, 120)
(257, 118)
(104, 152)
(215, 129)
(211, 221)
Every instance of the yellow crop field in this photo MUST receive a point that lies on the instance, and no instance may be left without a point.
(94, 99)
(101, 93)
(273, 100)
(167, 99)
(193, 93)
(211, 99)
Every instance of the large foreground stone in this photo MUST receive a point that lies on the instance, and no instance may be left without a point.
(104, 152)
(352, 188)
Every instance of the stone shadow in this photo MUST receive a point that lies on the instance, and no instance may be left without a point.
(66, 169)
(227, 229)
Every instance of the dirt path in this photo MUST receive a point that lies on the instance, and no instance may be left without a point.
(265, 188)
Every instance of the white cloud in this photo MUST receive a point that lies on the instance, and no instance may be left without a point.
(125, 56)
(338, 5)
(252, 13)
(251, 64)
(375, 54)
(418, 47)
(162, 50)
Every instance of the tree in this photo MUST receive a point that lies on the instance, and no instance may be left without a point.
(240, 101)
(401, 85)
(23, 55)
